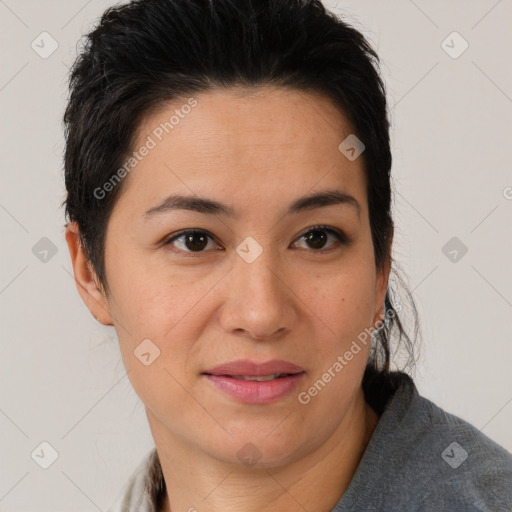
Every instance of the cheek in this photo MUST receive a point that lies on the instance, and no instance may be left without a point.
(344, 301)
(156, 341)
(148, 299)
(342, 309)
(157, 311)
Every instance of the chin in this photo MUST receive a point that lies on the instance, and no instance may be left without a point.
(260, 453)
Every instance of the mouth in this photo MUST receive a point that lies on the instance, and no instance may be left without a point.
(256, 378)
(255, 389)
(243, 368)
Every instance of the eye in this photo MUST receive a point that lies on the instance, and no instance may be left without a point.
(316, 237)
(196, 240)
(193, 240)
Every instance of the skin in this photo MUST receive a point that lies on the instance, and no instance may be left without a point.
(256, 150)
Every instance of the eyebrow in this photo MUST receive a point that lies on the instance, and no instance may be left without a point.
(209, 206)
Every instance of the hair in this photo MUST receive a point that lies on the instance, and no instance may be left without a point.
(146, 53)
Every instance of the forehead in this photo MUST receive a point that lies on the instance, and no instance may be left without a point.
(264, 143)
(254, 118)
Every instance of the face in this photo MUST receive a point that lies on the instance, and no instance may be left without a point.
(260, 281)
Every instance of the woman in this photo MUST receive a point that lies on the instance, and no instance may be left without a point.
(228, 174)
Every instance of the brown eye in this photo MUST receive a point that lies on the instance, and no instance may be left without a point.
(317, 237)
(190, 241)
(197, 241)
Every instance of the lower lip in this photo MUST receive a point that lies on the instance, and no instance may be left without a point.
(254, 392)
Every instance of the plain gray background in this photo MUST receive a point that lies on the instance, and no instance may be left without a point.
(62, 378)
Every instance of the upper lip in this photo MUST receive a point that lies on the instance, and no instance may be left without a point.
(250, 368)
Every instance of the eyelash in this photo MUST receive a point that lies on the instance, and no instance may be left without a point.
(342, 239)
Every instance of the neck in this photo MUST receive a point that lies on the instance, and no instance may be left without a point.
(195, 481)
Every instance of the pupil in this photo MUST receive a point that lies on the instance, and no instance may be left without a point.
(316, 239)
(191, 240)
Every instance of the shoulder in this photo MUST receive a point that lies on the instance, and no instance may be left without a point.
(422, 458)
(463, 468)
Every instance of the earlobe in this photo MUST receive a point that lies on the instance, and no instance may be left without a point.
(382, 284)
(380, 312)
(379, 316)
(85, 278)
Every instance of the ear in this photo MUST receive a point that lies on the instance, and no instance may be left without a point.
(382, 284)
(85, 279)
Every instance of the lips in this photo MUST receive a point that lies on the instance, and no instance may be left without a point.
(246, 369)
(262, 378)
(255, 383)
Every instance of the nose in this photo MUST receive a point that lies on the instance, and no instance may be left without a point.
(259, 300)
